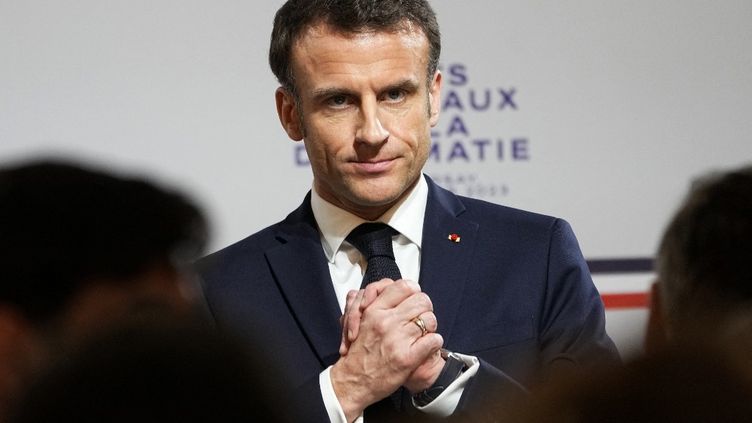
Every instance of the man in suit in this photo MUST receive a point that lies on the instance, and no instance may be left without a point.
(484, 297)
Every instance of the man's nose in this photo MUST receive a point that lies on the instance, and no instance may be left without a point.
(370, 129)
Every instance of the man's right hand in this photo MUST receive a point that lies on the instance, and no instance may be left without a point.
(387, 347)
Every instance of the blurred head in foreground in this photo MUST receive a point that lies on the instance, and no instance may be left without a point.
(81, 248)
(704, 287)
(699, 366)
(158, 371)
(677, 384)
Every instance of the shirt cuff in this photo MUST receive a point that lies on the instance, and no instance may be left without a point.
(445, 404)
(331, 403)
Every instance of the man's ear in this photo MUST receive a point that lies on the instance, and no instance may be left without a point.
(434, 98)
(288, 114)
(656, 337)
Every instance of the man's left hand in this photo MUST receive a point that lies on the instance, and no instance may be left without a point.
(357, 301)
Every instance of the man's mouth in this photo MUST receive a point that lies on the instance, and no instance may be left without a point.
(374, 166)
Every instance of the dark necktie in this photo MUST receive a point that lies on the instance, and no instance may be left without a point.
(374, 241)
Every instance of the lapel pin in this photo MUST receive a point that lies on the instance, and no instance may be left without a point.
(454, 237)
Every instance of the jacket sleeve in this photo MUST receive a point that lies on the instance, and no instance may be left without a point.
(571, 333)
(572, 329)
(305, 403)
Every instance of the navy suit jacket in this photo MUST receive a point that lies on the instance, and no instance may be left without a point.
(515, 292)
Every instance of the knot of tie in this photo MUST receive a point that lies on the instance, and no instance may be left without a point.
(374, 241)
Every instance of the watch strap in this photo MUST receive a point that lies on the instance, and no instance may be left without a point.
(453, 368)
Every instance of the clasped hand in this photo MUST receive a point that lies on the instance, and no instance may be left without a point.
(382, 347)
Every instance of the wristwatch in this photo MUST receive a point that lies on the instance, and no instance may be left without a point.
(452, 369)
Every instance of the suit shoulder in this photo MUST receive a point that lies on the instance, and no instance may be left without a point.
(242, 251)
(485, 212)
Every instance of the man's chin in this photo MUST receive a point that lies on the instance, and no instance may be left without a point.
(377, 196)
(371, 205)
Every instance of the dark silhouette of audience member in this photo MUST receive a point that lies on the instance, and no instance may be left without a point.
(81, 248)
(677, 384)
(154, 372)
(704, 287)
(698, 362)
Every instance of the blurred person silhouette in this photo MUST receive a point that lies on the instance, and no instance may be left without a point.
(704, 289)
(154, 370)
(679, 383)
(80, 248)
(697, 366)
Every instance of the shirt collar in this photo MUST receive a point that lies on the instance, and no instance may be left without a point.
(406, 217)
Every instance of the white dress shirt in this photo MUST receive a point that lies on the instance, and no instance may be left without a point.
(347, 266)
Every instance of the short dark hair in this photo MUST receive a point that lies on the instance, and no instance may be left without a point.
(706, 250)
(349, 16)
(63, 224)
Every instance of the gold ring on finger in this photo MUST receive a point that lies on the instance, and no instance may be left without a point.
(421, 324)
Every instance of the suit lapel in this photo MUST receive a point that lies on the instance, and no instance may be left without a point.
(300, 268)
(444, 262)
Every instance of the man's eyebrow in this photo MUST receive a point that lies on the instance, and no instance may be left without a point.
(323, 93)
(407, 84)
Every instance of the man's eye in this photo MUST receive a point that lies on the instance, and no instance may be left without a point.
(337, 101)
(395, 95)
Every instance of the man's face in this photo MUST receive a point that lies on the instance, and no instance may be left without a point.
(366, 111)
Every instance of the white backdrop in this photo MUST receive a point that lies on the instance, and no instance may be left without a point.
(598, 112)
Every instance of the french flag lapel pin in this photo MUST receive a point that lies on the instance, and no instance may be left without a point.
(454, 238)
